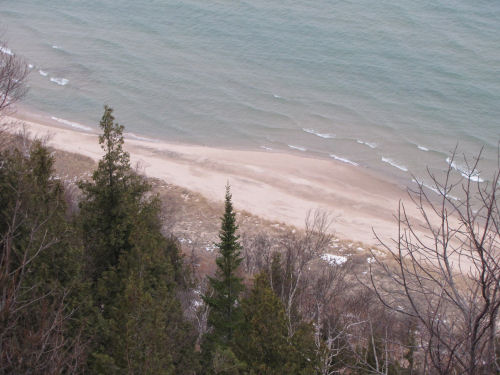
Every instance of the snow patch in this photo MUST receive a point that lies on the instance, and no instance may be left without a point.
(334, 260)
(6, 51)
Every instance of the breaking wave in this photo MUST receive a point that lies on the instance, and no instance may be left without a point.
(321, 135)
(344, 160)
(464, 171)
(71, 124)
(59, 81)
(394, 164)
(300, 148)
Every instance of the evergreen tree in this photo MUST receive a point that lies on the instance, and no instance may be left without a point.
(262, 341)
(145, 332)
(110, 200)
(140, 328)
(43, 296)
(226, 286)
(276, 274)
(225, 362)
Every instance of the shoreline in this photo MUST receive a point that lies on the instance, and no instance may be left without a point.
(276, 186)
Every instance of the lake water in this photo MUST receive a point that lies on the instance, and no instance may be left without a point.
(392, 86)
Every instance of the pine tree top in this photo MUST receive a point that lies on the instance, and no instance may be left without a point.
(227, 235)
(116, 161)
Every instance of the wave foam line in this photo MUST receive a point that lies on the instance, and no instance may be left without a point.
(422, 148)
(394, 164)
(436, 190)
(344, 160)
(139, 138)
(43, 73)
(72, 124)
(300, 148)
(59, 81)
(321, 135)
(464, 171)
(369, 144)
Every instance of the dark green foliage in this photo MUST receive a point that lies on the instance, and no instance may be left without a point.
(226, 285)
(140, 328)
(304, 358)
(276, 274)
(262, 341)
(144, 329)
(251, 337)
(110, 201)
(32, 205)
(42, 288)
(225, 288)
(224, 362)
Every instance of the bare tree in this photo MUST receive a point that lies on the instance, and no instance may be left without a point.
(201, 311)
(257, 252)
(447, 273)
(359, 335)
(13, 74)
(326, 286)
(299, 252)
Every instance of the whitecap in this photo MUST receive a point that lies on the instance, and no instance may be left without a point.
(474, 178)
(369, 144)
(300, 148)
(344, 160)
(334, 260)
(72, 124)
(56, 47)
(322, 135)
(43, 73)
(464, 171)
(59, 81)
(6, 51)
(423, 148)
(436, 189)
(266, 148)
(394, 164)
(277, 96)
(31, 66)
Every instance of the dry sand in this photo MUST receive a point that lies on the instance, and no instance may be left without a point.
(275, 186)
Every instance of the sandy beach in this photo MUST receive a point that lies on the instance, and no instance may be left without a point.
(275, 186)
